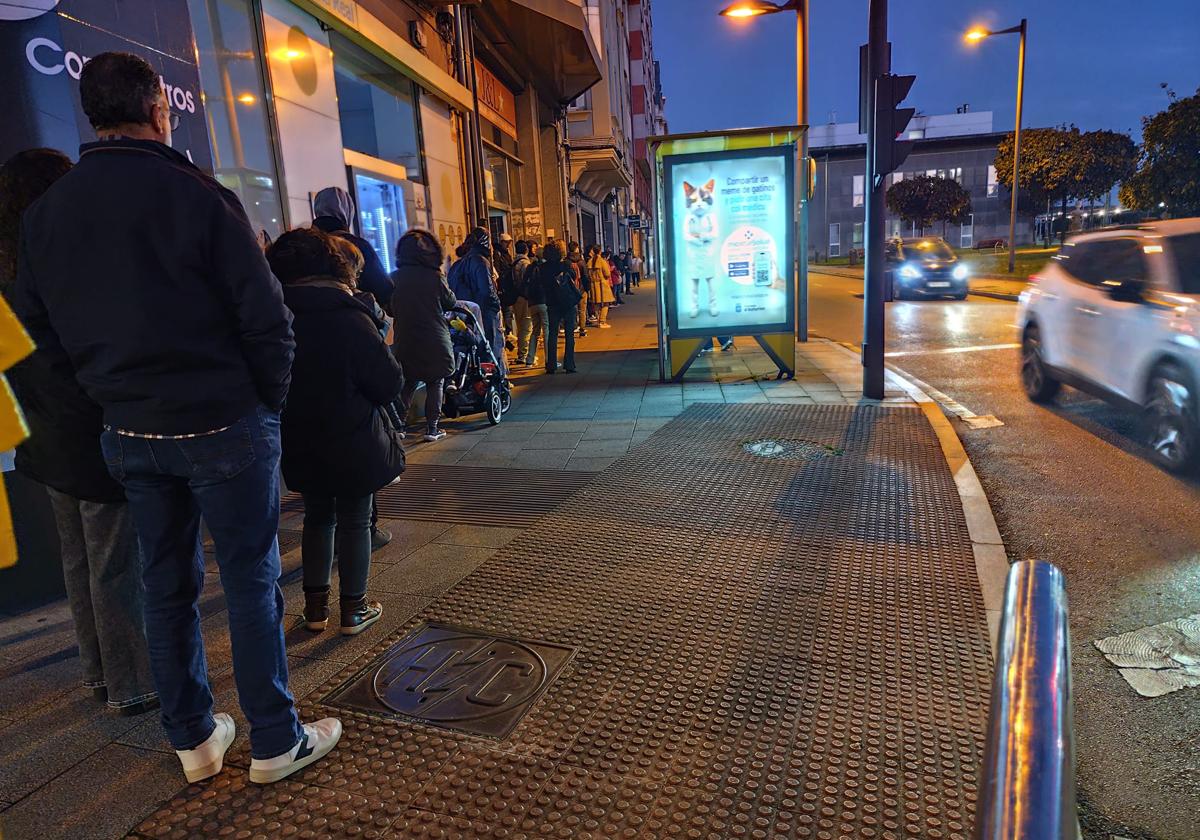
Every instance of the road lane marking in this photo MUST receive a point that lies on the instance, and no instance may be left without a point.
(969, 418)
(978, 348)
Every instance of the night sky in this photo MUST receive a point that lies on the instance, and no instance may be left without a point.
(1095, 63)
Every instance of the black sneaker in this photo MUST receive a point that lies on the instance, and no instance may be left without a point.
(358, 614)
(379, 538)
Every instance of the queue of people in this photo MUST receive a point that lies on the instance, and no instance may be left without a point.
(183, 370)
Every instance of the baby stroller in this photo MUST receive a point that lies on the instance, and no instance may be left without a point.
(477, 383)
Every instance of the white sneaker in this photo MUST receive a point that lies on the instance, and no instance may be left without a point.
(206, 760)
(319, 738)
(436, 435)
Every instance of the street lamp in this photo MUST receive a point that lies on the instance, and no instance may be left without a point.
(973, 36)
(746, 9)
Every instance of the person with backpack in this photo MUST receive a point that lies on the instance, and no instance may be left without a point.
(557, 283)
(522, 322)
(535, 299)
(577, 262)
(600, 293)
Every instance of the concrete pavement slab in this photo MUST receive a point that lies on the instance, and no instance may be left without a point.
(479, 535)
(431, 570)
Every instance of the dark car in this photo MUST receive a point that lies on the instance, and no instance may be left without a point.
(925, 267)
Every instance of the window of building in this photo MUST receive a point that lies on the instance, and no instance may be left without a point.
(835, 240)
(916, 134)
(966, 237)
(231, 76)
(858, 235)
(956, 174)
(858, 190)
(376, 105)
(993, 186)
(931, 173)
(897, 177)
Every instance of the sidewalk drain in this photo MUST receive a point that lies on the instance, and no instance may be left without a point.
(784, 449)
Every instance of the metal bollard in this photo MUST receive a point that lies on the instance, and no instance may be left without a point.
(1028, 789)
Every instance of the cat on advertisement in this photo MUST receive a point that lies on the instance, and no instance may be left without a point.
(700, 234)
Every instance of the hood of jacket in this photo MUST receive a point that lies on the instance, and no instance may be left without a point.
(318, 294)
(420, 248)
(336, 203)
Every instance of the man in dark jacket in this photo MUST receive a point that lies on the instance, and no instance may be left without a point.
(471, 278)
(144, 275)
(334, 210)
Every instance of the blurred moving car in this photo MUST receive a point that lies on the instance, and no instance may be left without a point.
(925, 267)
(1117, 313)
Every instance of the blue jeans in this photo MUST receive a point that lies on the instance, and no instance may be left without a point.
(231, 478)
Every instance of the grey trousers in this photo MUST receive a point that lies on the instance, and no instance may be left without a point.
(102, 570)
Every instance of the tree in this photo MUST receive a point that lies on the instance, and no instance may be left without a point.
(922, 200)
(1168, 171)
(1062, 164)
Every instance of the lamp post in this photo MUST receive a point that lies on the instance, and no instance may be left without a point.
(974, 36)
(756, 8)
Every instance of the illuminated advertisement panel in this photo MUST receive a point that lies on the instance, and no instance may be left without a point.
(730, 247)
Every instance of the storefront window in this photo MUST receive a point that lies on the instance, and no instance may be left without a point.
(382, 216)
(376, 106)
(238, 125)
(500, 191)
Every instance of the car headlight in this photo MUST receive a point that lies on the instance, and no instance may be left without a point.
(908, 271)
(960, 272)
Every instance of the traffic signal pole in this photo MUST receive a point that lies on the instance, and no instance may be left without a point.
(873, 274)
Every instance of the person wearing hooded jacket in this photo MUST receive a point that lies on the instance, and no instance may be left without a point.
(471, 278)
(334, 210)
(338, 446)
(422, 346)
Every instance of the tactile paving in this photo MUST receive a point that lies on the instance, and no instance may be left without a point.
(766, 648)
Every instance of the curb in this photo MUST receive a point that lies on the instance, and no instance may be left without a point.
(996, 295)
(991, 560)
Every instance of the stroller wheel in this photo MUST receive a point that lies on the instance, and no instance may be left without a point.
(495, 406)
(505, 398)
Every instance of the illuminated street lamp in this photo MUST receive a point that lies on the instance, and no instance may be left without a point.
(974, 35)
(746, 9)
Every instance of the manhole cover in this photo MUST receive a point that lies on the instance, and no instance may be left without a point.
(783, 449)
(467, 680)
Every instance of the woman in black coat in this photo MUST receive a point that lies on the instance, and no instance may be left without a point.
(338, 447)
(422, 342)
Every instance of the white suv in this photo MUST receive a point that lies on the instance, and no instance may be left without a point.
(1117, 313)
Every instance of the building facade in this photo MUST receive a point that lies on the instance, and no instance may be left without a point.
(429, 114)
(648, 107)
(958, 146)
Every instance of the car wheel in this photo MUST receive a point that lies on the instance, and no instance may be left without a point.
(495, 407)
(1171, 423)
(1040, 386)
(960, 296)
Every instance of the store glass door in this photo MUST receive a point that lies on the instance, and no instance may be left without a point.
(382, 212)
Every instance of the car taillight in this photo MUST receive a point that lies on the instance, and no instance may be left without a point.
(1033, 278)
(487, 368)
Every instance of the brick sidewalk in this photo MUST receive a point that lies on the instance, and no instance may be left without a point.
(58, 743)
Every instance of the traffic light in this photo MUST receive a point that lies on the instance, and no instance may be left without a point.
(890, 122)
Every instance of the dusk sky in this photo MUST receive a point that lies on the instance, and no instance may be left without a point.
(1095, 63)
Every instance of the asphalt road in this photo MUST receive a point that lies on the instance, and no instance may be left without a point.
(1070, 484)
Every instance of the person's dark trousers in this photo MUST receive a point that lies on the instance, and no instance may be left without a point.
(564, 318)
(628, 281)
(617, 293)
(348, 519)
(433, 400)
(637, 278)
(231, 478)
(102, 571)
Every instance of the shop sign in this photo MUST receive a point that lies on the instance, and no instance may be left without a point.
(729, 242)
(634, 222)
(43, 55)
(496, 102)
(346, 10)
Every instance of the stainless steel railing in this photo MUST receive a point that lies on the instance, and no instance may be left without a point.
(1028, 790)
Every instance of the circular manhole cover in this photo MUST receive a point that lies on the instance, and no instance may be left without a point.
(785, 449)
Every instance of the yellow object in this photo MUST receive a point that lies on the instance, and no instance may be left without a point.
(15, 345)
